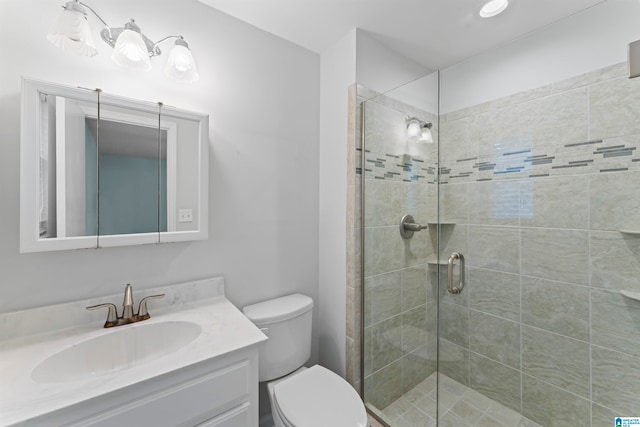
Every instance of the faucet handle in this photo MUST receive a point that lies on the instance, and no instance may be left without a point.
(143, 313)
(112, 315)
(127, 303)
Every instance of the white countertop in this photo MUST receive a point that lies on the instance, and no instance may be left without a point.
(39, 333)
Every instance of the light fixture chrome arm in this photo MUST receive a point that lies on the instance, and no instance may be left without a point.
(94, 12)
(156, 44)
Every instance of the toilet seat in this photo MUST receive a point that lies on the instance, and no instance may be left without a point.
(317, 397)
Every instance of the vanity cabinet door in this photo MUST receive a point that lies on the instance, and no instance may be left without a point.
(187, 403)
(238, 417)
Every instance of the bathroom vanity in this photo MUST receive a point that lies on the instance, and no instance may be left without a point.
(193, 363)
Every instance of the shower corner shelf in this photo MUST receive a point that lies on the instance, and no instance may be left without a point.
(437, 262)
(631, 232)
(630, 294)
(433, 224)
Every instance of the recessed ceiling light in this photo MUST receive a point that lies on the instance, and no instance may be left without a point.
(493, 8)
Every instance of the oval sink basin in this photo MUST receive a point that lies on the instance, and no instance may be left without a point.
(120, 348)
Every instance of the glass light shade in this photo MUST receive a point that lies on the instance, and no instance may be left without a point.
(426, 135)
(131, 52)
(493, 8)
(180, 64)
(71, 32)
(413, 128)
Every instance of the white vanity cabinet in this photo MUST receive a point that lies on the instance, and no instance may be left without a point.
(220, 393)
(60, 367)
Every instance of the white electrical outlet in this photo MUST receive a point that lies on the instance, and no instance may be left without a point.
(185, 215)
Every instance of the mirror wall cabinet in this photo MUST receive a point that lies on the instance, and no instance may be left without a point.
(99, 170)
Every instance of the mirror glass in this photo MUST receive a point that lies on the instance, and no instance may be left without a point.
(107, 171)
(132, 161)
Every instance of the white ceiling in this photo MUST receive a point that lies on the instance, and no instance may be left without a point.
(435, 33)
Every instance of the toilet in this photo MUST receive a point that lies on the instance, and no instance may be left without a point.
(299, 396)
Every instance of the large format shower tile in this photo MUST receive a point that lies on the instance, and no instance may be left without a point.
(494, 292)
(556, 359)
(558, 307)
(494, 248)
(551, 406)
(556, 254)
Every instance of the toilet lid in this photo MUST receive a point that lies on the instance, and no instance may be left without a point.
(318, 397)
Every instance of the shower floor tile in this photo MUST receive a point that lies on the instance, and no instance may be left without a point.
(460, 406)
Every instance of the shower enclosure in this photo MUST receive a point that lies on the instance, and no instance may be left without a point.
(530, 203)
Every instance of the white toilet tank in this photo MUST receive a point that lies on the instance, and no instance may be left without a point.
(287, 323)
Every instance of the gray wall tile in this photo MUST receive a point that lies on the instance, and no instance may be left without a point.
(601, 416)
(558, 360)
(419, 200)
(552, 407)
(613, 109)
(454, 324)
(615, 201)
(597, 76)
(556, 119)
(494, 292)
(454, 361)
(557, 307)
(383, 297)
(385, 129)
(454, 203)
(383, 202)
(386, 342)
(383, 250)
(495, 381)
(385, 386)
(495, 132)
(616, 380)
(454, 140)
(560, 255)
(494, 203)
(416, 250)
(615, 260)
(550, 200)
(495, 338)
(414, 328)
(453, 238)
(415, 368)
(414, 287)
(615, 322)
(494, 248)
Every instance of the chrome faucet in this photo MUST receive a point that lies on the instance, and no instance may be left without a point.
(128, 315)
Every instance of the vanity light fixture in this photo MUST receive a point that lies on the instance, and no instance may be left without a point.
(419, 130)
(493, 8)
(131, 48)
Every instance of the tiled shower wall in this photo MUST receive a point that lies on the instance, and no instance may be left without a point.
(399, 318)
(541, 189)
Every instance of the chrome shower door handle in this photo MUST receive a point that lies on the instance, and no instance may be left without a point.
(450, 288)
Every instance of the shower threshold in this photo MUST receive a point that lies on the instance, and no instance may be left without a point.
(460, 406)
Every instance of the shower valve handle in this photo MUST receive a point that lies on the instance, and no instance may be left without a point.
(408, 226)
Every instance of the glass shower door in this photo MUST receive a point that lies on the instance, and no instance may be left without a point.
(400, 242)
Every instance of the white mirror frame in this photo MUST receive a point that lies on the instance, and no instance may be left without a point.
(30, 240)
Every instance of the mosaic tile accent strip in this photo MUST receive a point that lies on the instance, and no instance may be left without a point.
(400, 168)
(603, 155)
